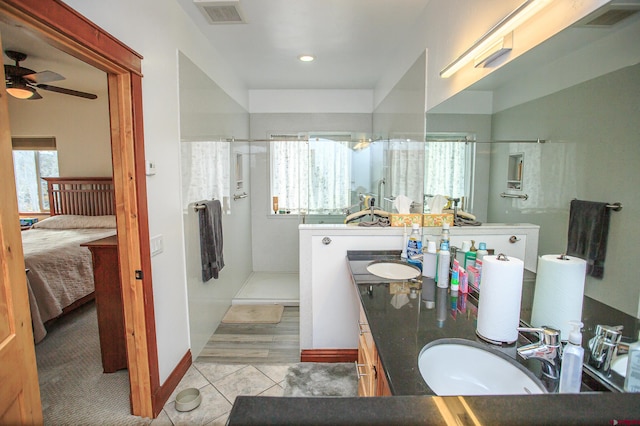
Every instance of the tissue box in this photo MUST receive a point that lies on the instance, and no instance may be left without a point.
(398, 219)
(436, 219)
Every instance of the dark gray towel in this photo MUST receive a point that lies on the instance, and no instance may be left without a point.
(588, 231)
(210, 218)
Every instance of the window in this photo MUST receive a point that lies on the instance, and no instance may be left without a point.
(312, 176)
(34, 158)
(446, 167)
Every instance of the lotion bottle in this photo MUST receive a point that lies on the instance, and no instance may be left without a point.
(482, 251)
(444, 237)
(444, 257)
(572, 359)
(403, 255)
(632, 378)
(429, 261)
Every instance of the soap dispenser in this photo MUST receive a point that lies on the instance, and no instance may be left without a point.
(470, 256)
(572, 359)
(632, 378)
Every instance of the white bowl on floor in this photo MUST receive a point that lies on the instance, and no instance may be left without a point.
(188, 399)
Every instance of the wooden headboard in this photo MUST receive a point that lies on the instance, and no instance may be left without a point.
(85, 196)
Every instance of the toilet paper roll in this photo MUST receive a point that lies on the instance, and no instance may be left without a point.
(500, 295)
(559, 292)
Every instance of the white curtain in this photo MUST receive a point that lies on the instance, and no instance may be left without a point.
(312, 176)
(406, 169)
(445, 168)
(205, 171)
(329, 176)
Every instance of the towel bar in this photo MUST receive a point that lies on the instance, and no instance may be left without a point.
(197, 207)
(239, 196)
(616, 207)
(522, 196)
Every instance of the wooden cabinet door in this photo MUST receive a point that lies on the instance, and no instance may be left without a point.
(19, 390)
(366, 368)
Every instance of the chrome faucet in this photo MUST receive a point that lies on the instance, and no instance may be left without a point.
(548, 350)
(603, 346)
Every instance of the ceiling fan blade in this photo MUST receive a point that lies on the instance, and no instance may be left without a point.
(66, 91)
(35, 96)
(43, 77)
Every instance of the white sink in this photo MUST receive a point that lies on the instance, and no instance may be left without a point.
(463, 367)
(619, 365)
(393, 270)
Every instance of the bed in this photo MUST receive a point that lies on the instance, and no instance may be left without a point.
(59, 270)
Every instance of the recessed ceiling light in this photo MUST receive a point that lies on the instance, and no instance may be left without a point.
(306, 58)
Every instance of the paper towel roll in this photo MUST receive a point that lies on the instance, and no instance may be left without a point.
(559, 292)
(500, 295)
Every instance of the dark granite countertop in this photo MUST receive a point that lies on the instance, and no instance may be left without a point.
(401, 326)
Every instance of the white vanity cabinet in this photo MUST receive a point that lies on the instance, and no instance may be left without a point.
(328, 308)
(328, 305)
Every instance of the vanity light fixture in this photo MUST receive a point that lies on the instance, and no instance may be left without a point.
(306, 58)
(493, 52)
(510, 22)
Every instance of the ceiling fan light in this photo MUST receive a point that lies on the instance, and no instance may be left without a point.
(20, 91)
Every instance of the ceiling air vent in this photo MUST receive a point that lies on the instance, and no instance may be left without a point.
(610, 14)
(221, 11)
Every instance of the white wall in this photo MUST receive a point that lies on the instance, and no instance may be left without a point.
(208, 114)
(597, 123)
(448, 27)
(80, 126)
(158, 29)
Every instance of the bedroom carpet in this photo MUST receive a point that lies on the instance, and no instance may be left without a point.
(307, 379)
(253, 314)
(73, 388)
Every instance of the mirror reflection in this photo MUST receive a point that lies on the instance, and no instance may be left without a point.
(557, 124)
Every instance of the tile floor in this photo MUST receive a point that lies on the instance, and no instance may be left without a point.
(219, 385)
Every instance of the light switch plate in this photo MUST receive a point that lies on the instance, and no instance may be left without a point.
(150, 168)
(156, 244)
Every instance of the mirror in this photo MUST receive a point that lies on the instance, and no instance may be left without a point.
(569, 107)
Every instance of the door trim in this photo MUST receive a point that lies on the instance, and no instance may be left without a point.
(64, 28)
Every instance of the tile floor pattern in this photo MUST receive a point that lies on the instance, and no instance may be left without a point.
(219, 385)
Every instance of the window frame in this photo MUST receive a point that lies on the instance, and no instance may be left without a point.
(306, 138)
(36, 144)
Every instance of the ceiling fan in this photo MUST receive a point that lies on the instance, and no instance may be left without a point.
(22, 82)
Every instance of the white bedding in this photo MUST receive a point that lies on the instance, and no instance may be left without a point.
(60, 271)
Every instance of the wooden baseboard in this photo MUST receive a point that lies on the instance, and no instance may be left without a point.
(163, 393)
(329, 355)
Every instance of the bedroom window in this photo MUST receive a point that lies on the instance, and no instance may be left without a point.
(34, 158)
(311, 176)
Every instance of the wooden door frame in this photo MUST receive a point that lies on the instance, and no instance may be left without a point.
(64, 28)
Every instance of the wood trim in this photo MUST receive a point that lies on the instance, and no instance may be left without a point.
(62, 27)
(56, 15)
(143, 234)
(163, 393)
(123, 157)
(328, 355)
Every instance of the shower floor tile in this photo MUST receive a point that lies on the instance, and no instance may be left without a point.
(270, 287)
